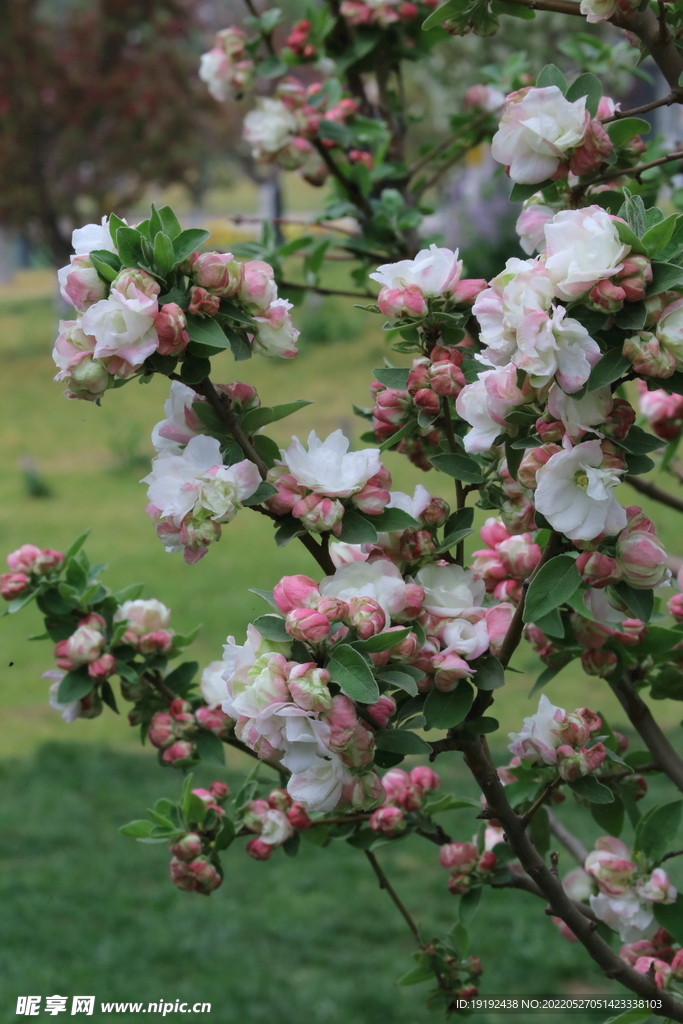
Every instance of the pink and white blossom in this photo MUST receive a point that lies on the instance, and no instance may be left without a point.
(575, 493)
(328, 467)
(486, 402)
(582, 248)
(269, 128)
(450, 591)
(181, 423)
(531, 224)
(538, 129)
(434, 271)
(379, 580)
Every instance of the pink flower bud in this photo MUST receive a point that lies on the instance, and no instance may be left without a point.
(103, 667)
(630, 632)
(435, 513)
(298, 817)
(676, 963)
(178, 754)
(161, 730)
(459, 883)
(13, 584)
(24, 558)
(651, 965)
(258, 287)
(388, 820)
(657, 888)
(598, 663)
(371, 499)
(635, 277)
(427, 401)
(632, 951)
(534, 459)
(203, 303)
(415, 544)
(83, 646)
(334, 609)
(445, 378)
(574, 764)
(279, 800)
(647, 356)
(402, 302)
(308, 625)
(382, 710)
(450, 668)
(519, 555)
(213, 719)
(390, 410)
(187, 848)
(48, 560)
(296, 592)
(218, 272)
(508, 590)
(205, 874)
(595, 147)
(259, 850)
(487, 861)
(365, 792)
(219, 790)
(366, 616)
(641, 558)
(610, 866)
(467, 289)
(675, 606)
(498, 619)
(413, 595)
(487, 566)
(518, 515)
(309, 685)
(180, 876)
(461, 856)
(598, 570)
(158, 642)
(170, 324)
(288, 491)
(80, 284)
(318, 513)
(425, 779)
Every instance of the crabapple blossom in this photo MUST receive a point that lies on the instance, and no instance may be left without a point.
(639, 553)
(93, 236)
(433, 273)
(449, 590)
(388, 820)
(225, 66)
(576, 494)
(328, 467)
(531, 224)
(579, 415)
(79, 284)
(181, 423)
(143, 616)
(582, 248)
(574, 764)
(275, 334)
(379, 580)
(486, 402)
(538, 129)
(269, 128)
(521, 290)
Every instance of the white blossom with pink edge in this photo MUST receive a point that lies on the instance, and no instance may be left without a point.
(582, 248)
(576, 495)
(181, 423)
(628, 916)
(531, 224)
(319, 787)
(485, 403)
(123, 324)
(450, 591)
(539, 738)
(523, 288)
(195, 478)
(435, 271)
(555, 345)
(212, 684)
(69, 711)
(276, 335)
(538, 129)
(380, 580)
(580, 414)
(93, 236)
(414, 505)
(598, 10)
(268, 128)
(328, 467)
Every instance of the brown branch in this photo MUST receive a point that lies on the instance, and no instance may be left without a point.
(674, 96)
(385, 884)
(540, 800)
(446, 144)
(223, 406)
(568, 840)
(560, 904)
(323, 224)
(232, 741)
(616, 172)
(325, 291)
(350, 187)
(668, 856)
(267, 36)
(663, 754)
(654, 492)
(664, 33)
(459, 491)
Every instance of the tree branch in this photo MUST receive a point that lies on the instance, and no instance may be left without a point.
(223, 406)
(569, 841)
(654, 492)
(525, 884)
(350, 187)
(616, 172)
(385, 884)
(550, 886)
(674, 96)
(641, 718)
(325, 291)
(459, 490)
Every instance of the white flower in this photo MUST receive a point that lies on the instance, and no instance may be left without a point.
(669, 330)
(531, 224)
(215, 70)
(414, 505)
(450, 590)
(144, 616)
(537, 130)
(576, 496)
(550, 345)
(276, 335)
(580, 414)
(524, 287)
(319, 788)
(212, 684)
(175, 429)
(72, 710)
(469, 639)
(328, 467)
(583, 247)
(269, 127)
(485, 403)
(196, 478)
(381, 580)
(598, 10)
(598, 604)
(121, 330)
(277, 828)
(93, 236)
(538, 740)
(434, 271)
(626, 915)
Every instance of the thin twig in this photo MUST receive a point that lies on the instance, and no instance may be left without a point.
(325, 225)
(325, 291)
(668, 856)
(447, 143)
(459, 491)
(616, 172)
(540, 800)
(267, 36)
(568, 840)
(223, 406)
(664, 33)
(673, 97)
(516, 627)
(654, 492)
(640, 716)
(385, 884)
(350, 187)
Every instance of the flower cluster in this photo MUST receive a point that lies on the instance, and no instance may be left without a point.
(274, 820)
(627, 890)
(553, 736)
(506, 562)
(383, 13)
(194, 866)
(469, 865)
(663, 412)
(26, 564)
(655, 956)
(226, 68)
(405, 794)
(411, 288)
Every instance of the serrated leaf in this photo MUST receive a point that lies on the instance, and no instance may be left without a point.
(590, 789)
(641, 602)
(382, 641)
(272, 627)
(394, 677)
(395, 378)
(657, 829)
(490, 674)
(349, 669)
(187, 242)
(552, 585)
(206, 331)
(446, 710)
(356, 529)
(461, 467)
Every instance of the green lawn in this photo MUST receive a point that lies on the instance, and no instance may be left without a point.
(85, 910)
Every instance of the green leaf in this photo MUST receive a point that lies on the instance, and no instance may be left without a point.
(139, 829)
(290, 529)
(461, 467)
(657, 829)
(419, 974)
(639, 442)
(551, 624)
(74, 685)
(628, 237)
(129, 244)
(511, 9)
(206, 331)
(631, 1016)
(590, 789)
(490, 674)
(209, 417)
(469, 902)
(589, 86)
(401, 741)
(194, 369)
(612, 365)
(670, 916)
(262, 493)
(394, 677)
(187, 242)
(169, 222)
(610, 817)
(254, 419)
(443, 13)
(226, 833)
(76, 546)
(626, 128)
(460, 520)
(271, 67)
(520, 192)
(406, 430)
(664, 276)
(272, 627)
(164, 256)
(446, 710)
(448, 802)
(383, 641)
(107, 264)
(641, 602)
(551, 75)
(391, 519)
(181, 677)
(209, 747)
(659, 235)
(349, 669)
(356, 529)
(552, 585)
(267, 595)
(392, 377)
